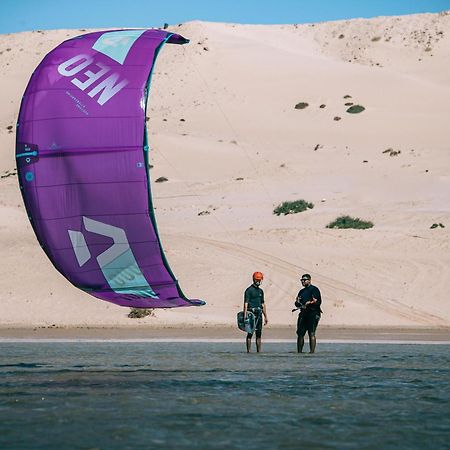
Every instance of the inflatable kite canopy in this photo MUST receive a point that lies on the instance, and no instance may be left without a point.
(82, 160)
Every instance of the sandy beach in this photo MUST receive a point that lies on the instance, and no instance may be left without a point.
(225, 132)
(222, 334)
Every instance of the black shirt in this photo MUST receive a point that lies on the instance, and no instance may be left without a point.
(254, 296)
(305, 295)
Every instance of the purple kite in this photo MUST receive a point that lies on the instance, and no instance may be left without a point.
(82, 160)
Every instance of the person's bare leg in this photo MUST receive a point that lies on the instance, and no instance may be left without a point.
(300, 343)
(312, 343)
(258, 344)
(249, 343)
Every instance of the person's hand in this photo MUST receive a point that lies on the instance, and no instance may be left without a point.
(265, 321)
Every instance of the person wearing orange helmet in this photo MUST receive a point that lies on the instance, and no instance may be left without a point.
(254, 302)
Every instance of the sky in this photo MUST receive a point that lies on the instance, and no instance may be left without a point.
(27, 15)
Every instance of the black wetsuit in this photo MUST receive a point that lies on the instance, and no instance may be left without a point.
(254, 297)
(309, 317)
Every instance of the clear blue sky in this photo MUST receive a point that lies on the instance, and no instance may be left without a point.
(25, 15)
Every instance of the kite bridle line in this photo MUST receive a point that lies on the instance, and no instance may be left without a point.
(249, 160)
(243, 147)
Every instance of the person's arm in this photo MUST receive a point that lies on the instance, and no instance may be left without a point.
(316, 298)
(311, 302)
(246, 299)
(266, 320)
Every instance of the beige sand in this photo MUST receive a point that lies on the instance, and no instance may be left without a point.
(243, 149)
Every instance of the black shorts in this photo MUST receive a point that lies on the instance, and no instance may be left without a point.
(258, 322)
(307, 322)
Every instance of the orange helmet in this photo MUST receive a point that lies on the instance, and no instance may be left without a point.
(258, 276)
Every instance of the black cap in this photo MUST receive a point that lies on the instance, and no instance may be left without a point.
(306, 276)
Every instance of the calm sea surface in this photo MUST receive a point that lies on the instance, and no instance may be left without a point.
(128, 395)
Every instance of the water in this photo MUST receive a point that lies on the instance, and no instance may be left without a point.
(128, 395)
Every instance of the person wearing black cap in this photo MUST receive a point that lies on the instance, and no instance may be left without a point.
(308, 302)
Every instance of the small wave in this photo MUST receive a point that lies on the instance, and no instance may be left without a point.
(23, 365)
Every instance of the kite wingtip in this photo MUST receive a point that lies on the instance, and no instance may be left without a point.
(198, 302)
(177, 39)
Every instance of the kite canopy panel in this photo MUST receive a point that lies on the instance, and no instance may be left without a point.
(82, 160)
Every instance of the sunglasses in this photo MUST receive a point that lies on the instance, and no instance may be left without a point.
(304, 279)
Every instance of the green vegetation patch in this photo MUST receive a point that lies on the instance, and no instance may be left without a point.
(355, 109)
(392, 152)
(9, 173)
(301, 105)
(293, 207)
(139, 313)
(350, 222)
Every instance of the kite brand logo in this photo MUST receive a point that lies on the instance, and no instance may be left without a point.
(82, 253)
(117, 263)
(93, 80)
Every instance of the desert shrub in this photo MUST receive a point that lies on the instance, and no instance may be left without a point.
(292, 207)
(9, 173)
(355, 109)
(350, 222)
(301, 105)
(392, 152)
(139, 313)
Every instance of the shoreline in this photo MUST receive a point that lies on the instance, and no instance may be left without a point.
(220, 334)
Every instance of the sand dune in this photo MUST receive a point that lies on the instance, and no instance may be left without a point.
(243, 148)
